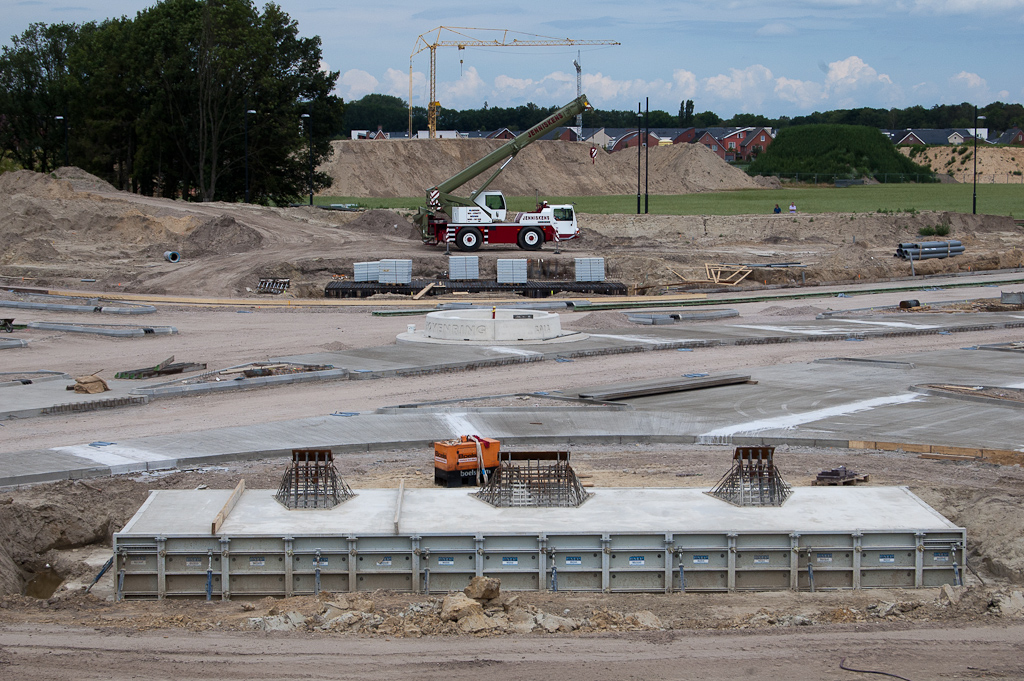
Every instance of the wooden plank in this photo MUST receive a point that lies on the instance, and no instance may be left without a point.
(948, 457)
(219, 519)
(398, 504)
(423, 291)
(862, 444)
(959, 451)
(163, 364)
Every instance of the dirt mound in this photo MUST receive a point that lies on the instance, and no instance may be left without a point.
(384, 222)
(30, 250)
(552, 168)
(34, 184)
(800, 311)
(606, 319)
(222, 235)
(83, 181)
(996, 165)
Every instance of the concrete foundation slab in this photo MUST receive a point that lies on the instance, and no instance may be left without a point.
(655, 539)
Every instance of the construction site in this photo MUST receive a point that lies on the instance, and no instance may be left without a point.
(724, 459)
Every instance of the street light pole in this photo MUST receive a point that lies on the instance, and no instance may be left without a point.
(309, 133)
(639, 130)
(62, 118)
(247, 112)
(974, 206)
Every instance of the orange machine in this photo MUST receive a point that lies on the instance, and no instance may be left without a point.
(467, 460)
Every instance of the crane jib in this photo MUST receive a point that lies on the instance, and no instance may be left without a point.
(544, 125)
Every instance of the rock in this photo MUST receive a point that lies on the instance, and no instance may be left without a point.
(521, 621)
(339, 602)
(553, 623)
(1012, 605)
(801, 621)
(288, 622)
(483, 588)
(361, 604)
(412, 631)
(645, 619)
(459, 605)
(951, 594)
(248, 607)
(476, 622)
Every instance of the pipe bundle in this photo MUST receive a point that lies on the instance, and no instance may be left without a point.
(929, 249)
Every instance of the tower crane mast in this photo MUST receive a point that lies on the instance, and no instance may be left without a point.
(456, 36)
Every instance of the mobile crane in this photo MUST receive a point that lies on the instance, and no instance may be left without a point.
(483, 217)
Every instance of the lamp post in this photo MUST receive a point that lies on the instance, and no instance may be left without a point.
(974, 206)
(309, 133)
(247, 112)
(639, 131)
(62, 118)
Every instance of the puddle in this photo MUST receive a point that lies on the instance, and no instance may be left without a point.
(44, 584)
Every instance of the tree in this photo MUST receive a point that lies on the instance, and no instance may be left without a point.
(686, 113)
(33, 92)
(706, 119)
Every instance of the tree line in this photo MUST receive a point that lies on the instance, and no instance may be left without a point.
(194, 99)
(392, 114)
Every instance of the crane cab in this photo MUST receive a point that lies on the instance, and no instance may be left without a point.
(489, 208)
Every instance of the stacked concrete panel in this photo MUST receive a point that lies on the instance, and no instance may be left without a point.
(463, 267)
(512, 271)
(589, 269)
(395, 271)
(366, 271)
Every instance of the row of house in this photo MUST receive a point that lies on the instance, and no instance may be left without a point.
(730, 144)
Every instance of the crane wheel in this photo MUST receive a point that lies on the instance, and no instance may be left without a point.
(468, 239)
(530, 239)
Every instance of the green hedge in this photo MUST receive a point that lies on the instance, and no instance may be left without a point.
(841, 151)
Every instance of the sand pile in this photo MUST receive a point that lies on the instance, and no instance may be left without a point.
(34, 184)
(222, 235)
(998, 165)
(82, 181)
(552, 168)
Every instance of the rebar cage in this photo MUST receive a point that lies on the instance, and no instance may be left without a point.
(312, 481)
(519, 481)
(753, 479)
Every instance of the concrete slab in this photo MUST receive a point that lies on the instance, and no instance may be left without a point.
(622, 510)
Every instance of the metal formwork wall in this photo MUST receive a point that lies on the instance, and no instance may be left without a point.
(226, 567)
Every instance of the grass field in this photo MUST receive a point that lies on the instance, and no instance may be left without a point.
(993, 199)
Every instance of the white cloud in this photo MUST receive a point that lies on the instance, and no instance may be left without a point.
(684, 83)
(853, 73)
(750, 85)
(510, 83)
(804, 93)
(355, 83)
(775, 28)
(465, 92)
(971, 81)
(396, 83)
(967, 6)
(1003, 95)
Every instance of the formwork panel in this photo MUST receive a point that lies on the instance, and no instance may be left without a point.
(255, 563)
(449, 561)
(508, 543)
(514, 581)
(196, 545)
(747, 542)
(758, 558)
(577, 581)
(938, 577)
(623, 580)
(192, 563)
(833, 558)
(305, 583)
(383, 562)
(269, 584)
(510, 561)
(562, 542)
(638, 558)
(702, 542)
(240, 545)
(762, 580)
(829, 579)
(886, 579)
(450, 581)
(395, 582)
(140, 585)
(702, 580)
(323, 544)
(825, 541)
(449, 543)
(192, 585)
(328, 563)
(576, 560)
(888, 558)
(628, 542)
(703, 559)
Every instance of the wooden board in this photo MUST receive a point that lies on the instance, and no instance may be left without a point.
(219, 519)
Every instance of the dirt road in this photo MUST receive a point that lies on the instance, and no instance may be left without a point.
(44, 653)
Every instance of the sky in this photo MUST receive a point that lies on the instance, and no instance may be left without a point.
(779, 58)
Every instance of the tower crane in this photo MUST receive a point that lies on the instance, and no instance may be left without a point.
(456, 36)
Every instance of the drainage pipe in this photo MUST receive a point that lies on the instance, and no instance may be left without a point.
(172, 256)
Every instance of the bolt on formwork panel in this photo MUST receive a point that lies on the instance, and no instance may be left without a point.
(753, 480)
(533, 479)
(312, 481)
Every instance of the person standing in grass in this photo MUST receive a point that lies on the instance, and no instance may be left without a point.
(792, 208)
(777, 209)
